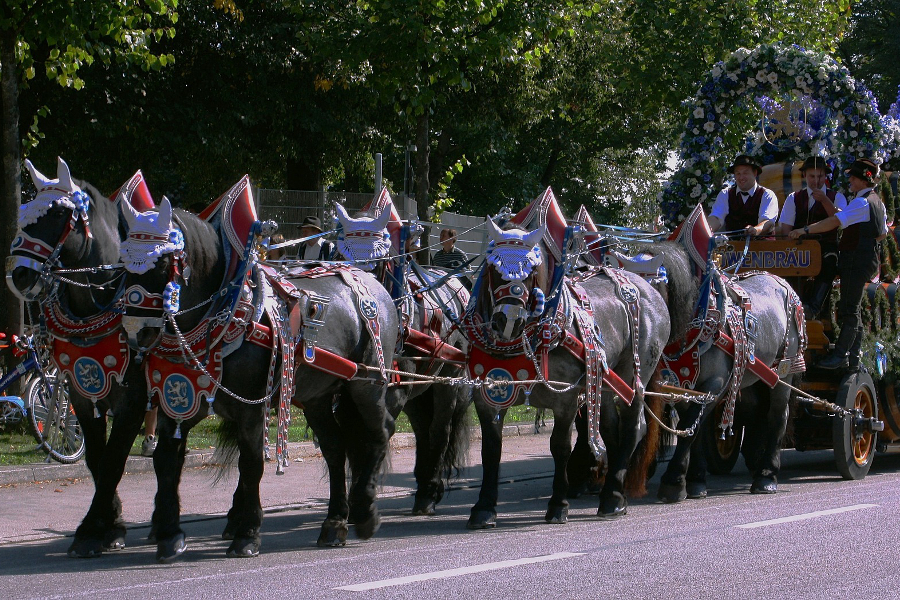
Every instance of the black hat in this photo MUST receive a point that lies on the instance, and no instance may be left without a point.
(815, 162)
(863, 168)
(744, 159)
(312, 222)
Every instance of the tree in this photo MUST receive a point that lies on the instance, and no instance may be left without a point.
(58, 37)
(872, 45)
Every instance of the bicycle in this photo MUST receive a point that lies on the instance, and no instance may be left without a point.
(45, 402)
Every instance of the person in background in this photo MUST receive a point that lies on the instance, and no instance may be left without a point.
(317, 248)
(275, 253)
(864, 225)
(449, 256)
(745, 205)
(807, 206)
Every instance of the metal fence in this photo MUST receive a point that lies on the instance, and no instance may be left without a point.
(471, 234)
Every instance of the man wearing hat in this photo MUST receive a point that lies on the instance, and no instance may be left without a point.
(864, 225)
(745, 205)
(809, 205)
(316, 248)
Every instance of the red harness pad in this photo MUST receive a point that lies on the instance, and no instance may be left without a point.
(179, 389)
(328, 362)
(135, 192)
(574, 346)
(432, 346)
(91, 369)
(513, 369)
(767, 375)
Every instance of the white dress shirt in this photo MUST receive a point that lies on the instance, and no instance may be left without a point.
(789, 210)
(858, 212)
(768, 206)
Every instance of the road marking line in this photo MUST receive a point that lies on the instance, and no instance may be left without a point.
(503, 564)
(804, 516)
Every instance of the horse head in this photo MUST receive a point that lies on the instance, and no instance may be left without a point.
(53, 229)
(513, 278)
(153, 255)
(365, 240)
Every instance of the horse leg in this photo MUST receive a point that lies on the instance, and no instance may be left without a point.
(561, 449)
(765, 477)
(421, 412)
(168, 462)
(250, 465)
(672, 485)
(623, 428)
(484, 513)
(695, 477)
(102, 527)
(582, 462)
(321, 419)
(368, 443)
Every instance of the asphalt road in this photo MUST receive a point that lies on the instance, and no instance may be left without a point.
(819, 537)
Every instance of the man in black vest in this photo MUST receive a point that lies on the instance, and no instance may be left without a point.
(864, 225)
(808, 206)
(746, 205)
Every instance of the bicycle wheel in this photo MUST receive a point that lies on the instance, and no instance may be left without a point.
(53, 419)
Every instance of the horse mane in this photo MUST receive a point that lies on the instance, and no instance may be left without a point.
(104, 214)
(204, 254)
(682, 290)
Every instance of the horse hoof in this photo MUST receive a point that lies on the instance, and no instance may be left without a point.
(763, 485)
(244, 548)
(696, 490)
(85, 548)
(425, 506)
(170, 549)
(482, 519)
(366, 529)
(114, 539)
(669, 493)
(333, 534)
(612, 508)
(557, 515)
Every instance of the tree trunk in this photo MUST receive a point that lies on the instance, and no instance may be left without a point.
(423, 182)
(11, 190)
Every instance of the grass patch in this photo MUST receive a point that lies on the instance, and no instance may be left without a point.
(18, 447)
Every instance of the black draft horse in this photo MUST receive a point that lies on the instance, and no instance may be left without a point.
(69, 223)
(354, 430)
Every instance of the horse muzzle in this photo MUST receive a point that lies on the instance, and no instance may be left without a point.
(25, 277)
(508, 320)
(143, 333)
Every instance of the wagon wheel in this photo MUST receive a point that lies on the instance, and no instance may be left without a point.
(721, 455)
(854, 444)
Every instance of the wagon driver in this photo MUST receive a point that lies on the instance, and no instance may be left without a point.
(864, 225)
(807, 206)
(746, 204)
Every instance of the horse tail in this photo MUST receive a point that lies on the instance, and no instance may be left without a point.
(645, 456)
(227, 448)
(455, 458)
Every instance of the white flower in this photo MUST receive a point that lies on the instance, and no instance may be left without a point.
(709, 126)
(696, 131)
(751, 83)
(761, 76)
(698, 172)
(854, 133)
(837, 103)
(695, 191)
(773, 78)
(698, 113)
(716, 70)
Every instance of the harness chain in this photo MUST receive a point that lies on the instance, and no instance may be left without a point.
(741, 355)
(287, 386)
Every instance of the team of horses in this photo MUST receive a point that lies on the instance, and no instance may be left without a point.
(144, 304)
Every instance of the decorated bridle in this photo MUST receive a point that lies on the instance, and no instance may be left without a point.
(514, 256)
(34, 254)
(150, 236)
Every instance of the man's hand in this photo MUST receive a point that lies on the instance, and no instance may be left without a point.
(820, 196)
(796, 233)
(754, 231)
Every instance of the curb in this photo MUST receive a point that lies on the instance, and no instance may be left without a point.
(40, 472)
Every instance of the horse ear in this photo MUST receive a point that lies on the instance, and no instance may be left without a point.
(342, 215)
(36, 176)
(494, 231)
(533, 238)
(129, 212)
(380, 223)
(64, 175)
(165, 214)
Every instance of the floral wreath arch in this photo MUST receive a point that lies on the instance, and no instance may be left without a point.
(858, 129)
